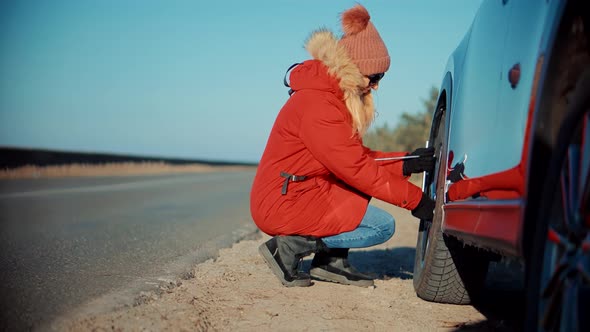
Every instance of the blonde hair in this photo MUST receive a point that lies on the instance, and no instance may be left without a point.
(362, 111)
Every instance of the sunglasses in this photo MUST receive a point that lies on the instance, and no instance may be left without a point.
(375, 78)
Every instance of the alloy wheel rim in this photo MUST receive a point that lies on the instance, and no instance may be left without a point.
(566, 267)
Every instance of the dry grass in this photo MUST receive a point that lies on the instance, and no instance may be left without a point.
(110, 169)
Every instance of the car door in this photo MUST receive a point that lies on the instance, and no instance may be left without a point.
(475, 131)
(522, 54)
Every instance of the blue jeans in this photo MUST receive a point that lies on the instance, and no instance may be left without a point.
(376, 227)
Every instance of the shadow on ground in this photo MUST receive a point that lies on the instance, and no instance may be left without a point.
(502, 302)
(381, 264)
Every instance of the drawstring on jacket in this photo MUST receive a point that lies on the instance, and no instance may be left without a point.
(285, 78)
(290, 177)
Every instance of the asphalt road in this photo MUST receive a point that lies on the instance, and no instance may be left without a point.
(66, 241)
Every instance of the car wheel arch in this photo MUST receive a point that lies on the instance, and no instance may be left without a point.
(548, 117)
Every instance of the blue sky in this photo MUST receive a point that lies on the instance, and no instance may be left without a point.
(191, 79)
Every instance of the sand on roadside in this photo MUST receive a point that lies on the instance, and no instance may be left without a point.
(238, 292)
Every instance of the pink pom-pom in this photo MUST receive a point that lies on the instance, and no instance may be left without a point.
(355, 20)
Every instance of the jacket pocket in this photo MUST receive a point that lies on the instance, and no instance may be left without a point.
(297, 189)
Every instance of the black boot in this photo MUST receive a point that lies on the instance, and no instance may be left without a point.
(331, 264)
(283, 254)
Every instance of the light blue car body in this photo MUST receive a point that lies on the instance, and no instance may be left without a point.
(487, 115)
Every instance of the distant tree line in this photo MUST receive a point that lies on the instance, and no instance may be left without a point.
(11, 157)
(410, 133)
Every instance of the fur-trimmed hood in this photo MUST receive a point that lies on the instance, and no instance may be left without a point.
(322, 45)
(342, 77)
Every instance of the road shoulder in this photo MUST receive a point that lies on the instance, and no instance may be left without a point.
(237, 291)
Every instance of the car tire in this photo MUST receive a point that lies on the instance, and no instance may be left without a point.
(445, 270)
(558, 271)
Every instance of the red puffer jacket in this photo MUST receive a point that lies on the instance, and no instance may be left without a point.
(312, 137)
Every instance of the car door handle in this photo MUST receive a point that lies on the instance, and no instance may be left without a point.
(514, 75)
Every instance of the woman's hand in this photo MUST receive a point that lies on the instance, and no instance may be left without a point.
(424, 162)
(425, 209)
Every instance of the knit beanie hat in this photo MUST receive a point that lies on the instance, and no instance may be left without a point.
(362, 41)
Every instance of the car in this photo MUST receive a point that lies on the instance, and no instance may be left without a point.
(511, 132)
